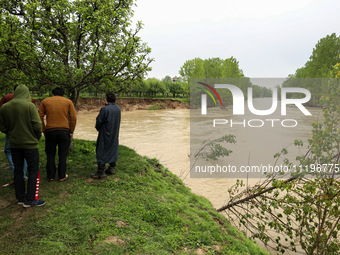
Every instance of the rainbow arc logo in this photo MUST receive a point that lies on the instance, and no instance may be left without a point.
(209, 93)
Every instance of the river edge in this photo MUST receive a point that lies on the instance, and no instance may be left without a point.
(127, 104)
(90, 106)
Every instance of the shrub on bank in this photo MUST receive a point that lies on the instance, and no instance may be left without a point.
(157, 106)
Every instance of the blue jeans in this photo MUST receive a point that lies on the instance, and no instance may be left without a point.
(9, 157)
(32, 158)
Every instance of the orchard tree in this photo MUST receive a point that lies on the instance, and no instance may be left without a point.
(167, 79)
(211, 68)
(324, 56)
(193, 68)
(174, 87)
(155, 86)
(71, 43)
(139, 88)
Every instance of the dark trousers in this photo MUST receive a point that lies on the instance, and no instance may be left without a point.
(32, 158)
(53, 139)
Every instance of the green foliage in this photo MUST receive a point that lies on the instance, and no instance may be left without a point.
(217, 71)
(313, 75)
(303, 210)
(154, 87)
(159, 106)
(261, 91)
(216, 148)
(211, 68)
(72, 44)
(175, 87)
(242, 83)
(324, 56)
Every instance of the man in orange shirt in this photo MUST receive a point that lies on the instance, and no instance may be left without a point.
(60, 124)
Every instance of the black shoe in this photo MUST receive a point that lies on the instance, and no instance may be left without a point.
(110, 171)
(98, 175)
(34, 203)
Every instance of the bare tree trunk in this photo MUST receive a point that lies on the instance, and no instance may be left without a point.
(74, 96)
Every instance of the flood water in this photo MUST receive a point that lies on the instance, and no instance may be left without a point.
(165, 135)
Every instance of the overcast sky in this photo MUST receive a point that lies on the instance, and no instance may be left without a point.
(269, 38)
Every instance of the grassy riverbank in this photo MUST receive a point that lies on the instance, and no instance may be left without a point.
(143, 209)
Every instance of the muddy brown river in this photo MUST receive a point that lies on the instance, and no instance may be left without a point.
(165, 135)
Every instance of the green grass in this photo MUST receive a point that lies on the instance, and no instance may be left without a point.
(143, 209)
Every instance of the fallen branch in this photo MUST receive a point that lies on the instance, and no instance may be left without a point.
(252, 196)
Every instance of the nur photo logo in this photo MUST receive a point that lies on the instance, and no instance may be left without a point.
(247, 119)
(289, 96)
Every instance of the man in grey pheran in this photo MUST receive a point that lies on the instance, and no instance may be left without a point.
(107, 124)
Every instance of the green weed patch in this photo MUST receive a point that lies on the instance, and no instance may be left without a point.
(158, 106)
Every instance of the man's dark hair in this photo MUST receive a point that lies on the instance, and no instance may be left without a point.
(58, 91)
(110, 97)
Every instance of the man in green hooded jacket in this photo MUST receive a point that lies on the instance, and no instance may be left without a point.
(19, 119)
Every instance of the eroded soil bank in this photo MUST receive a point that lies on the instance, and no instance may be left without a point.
(127, 104)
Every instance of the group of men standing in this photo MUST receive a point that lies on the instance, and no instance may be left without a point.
(24, 124)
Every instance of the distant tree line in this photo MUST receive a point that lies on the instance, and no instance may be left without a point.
(151, 87)
(167, 87)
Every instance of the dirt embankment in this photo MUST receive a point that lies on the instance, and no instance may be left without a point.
(128, 104)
